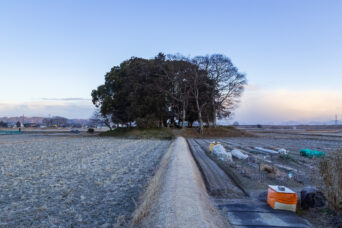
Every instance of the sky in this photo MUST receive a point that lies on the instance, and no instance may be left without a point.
(53, 53)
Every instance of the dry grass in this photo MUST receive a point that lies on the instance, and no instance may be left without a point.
(331, 171)
(152, 191)
(137, 133)
(171, 133)
(121, 220)
(218, 132)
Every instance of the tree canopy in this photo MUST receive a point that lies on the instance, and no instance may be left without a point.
(169, 91)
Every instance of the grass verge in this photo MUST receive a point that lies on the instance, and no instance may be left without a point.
(219, 131)
(136, 133)
(152, 191)
(171, 133)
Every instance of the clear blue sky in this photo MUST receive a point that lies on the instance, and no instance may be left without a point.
(291, 51)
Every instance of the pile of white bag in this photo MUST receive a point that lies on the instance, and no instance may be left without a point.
(282, 151)
(222, 154)
(238, 154)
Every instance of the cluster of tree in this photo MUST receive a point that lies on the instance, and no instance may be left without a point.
(169, 91)
(7, 125)
(3, 124)
(55, 121)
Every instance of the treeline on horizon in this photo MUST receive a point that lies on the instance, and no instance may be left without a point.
(169, 90)
(35, 122)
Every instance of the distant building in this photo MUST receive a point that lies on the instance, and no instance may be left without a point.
(11, 125)
(32, 125)
(3, 124)
(55, 122)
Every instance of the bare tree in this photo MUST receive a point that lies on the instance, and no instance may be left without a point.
(97, 118)
(175, 74)
(200, 86)
(228, 83)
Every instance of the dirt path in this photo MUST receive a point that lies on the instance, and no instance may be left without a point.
(183, 200)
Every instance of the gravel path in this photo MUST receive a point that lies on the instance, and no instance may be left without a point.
(183, 201)
(73, 181)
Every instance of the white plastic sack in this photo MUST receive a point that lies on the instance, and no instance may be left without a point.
(222, 154)
(282, 151)
(266, 150)
(238, 154)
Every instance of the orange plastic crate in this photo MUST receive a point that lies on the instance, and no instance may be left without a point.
(282, 200)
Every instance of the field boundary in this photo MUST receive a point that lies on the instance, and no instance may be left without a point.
(178, 197)
(153, 189)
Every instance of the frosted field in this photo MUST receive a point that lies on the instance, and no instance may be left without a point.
(292, 143)
(49, 181)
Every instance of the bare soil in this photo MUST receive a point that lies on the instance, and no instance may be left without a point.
(56, 181)
(248, 174)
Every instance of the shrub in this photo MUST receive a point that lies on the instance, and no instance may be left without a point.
(331, 171)
(147, 122)
(91, 130)
(287, 157)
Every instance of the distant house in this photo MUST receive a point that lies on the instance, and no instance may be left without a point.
(11, 125)
(55, 122)
(32, 125)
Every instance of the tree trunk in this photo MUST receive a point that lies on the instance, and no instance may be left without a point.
(107, 123)
(201, 122)
(183, 119)
(214, 112)
(199, 115)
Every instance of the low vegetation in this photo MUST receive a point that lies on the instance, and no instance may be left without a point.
(170, 133)
(137, 133)
(220, 131)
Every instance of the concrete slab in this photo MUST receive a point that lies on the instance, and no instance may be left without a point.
(252, 214)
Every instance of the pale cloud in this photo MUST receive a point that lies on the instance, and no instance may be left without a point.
(66, 99)
(276, 106)
(253, 87)
(69, 109)
(257, 105)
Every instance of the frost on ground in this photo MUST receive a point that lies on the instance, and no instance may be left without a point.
(73, 181)
(291, 143)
